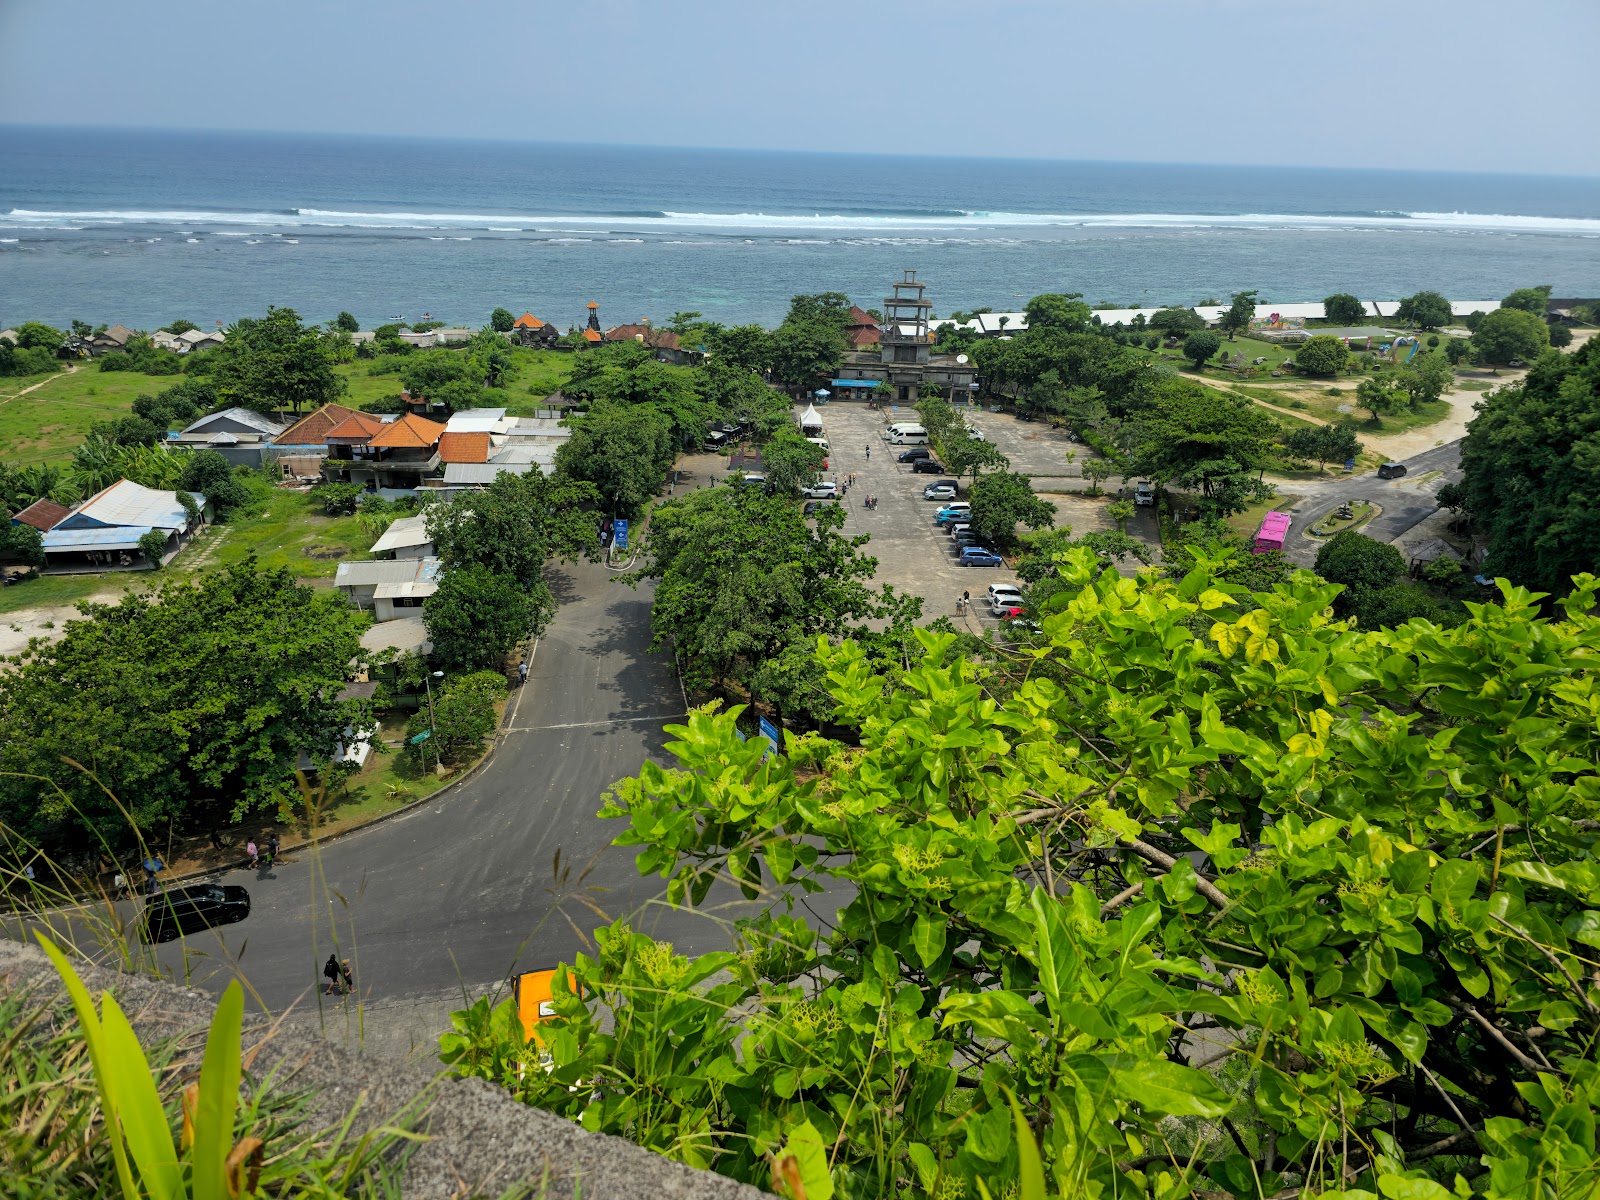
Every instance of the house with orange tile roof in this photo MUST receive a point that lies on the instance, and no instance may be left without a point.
(401, 453)
(666, 345)
(529, 330)
(463, 447)
(310, 432)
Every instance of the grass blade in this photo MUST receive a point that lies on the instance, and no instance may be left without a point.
(1030, 1168)
(144, 1120)
(219, 1098)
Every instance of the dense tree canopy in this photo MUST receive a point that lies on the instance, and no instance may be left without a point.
(1239, 313)
(477, 616)
(1426, 310)
(1531, 463)
(204, 692)
(1322, 354)
(1509, 334)
(624, 451)
(1344, 309)
(1176, 322)
(1003, 500)
(1209, 896)
(1200, 347)
(1205, 441)
(1535, 300)
(1066, 313)
(1323, 443)
(274, 362)
(515, 525)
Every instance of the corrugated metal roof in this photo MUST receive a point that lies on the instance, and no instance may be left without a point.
(417, 589)
(482, 472)
(240, 416)
(118, 537)
(408, 634)
(385, 570)
(126, 503)
(406, 531)
(545, 456)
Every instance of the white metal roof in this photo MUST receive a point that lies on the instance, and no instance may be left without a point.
(407, 634)
(405, 531)
(127, 503)
(482, 472)
(419, 589)
(385, 570)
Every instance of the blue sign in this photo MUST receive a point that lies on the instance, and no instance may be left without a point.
(422, 737)
(770, 732)
(619, 530)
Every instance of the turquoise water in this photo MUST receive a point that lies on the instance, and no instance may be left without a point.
(143, 228)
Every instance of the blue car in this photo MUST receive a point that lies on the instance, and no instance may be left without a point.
(980, 556)
(948, 516)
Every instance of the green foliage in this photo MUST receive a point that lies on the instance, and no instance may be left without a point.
(139, 355)
(1323, 443)
(1535, 300)
(1560, 336)
(1205, 441)
(476, 616)
(1067, 313)
(1531, 471)
(206, 690)
(1240, 312)
(515, 525)
(1456, 349)
(1322, 354)
(624, 452)
(1376, 978)
(1443, 571)
(1370, 572)
(462, 719)
(745, 346)
(803, 353)
(1176, 322)
(1507, 334)
(275, 362)
(23, 543)
(345, 323)
(1121, 511)
(1097, 471)
(501, 320)
(18, 360)
(1001, 501)
(1342, 308)
(338, 499)
(207, 472)
(1426, 310)
(1424, 379)
(36, 335)
(153, 545)
(1200, 347)
(740, 576)
(790, 463)
(1377, 397)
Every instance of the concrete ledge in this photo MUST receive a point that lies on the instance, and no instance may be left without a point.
(480, 1141)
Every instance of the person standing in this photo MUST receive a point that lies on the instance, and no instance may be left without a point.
(345, 977)
(252, 853)
(272, 846)
(331, 970)
(216, 840)
(869, 451)
(522, 672)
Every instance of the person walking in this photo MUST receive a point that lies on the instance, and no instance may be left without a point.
(345, 977)
(252, 853)
(522, 672)
(216, 840)
(272, 846)
(331, 970)
(869, 451)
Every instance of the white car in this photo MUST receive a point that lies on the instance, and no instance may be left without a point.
(823, 489)
(1144, 492)
(1008, 590)
(941, 491)
(975, 433)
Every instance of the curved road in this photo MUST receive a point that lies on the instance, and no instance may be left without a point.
(1404, 501)
(463, 890)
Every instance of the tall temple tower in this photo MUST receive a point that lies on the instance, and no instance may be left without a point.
(904, 347)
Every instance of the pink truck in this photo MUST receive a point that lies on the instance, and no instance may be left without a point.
(1274, 528)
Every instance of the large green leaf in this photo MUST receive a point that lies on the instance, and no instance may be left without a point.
(1167, 1087)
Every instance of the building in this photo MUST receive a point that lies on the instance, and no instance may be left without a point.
(388, 588)
(240, 435)
(862, 332)
(903, 358)
(111, 341)
(102, 533)
(664, 344)
(406, 537)
(453, 336)
(531, 331)
(44, 514)
(399, 454)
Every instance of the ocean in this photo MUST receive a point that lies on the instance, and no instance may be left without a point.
(143, 228)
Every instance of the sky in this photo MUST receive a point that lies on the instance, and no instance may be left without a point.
(1472, 85)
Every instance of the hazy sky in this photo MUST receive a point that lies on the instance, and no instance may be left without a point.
(1486, 85)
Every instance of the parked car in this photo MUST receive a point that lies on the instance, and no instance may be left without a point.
(975, 433)
(1006, 612)
(813, 507)
(755, 479)
(1144, 492)
(180, 912)
(1391, 470)
(968, 537)
(961, 526)
(952, 484)
(926, 466)
(999, 592)
(980, 556)
(952, 513)
(915, 454)
(939, 491)
(822, 489)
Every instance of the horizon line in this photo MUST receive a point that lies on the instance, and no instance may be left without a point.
(53, 127)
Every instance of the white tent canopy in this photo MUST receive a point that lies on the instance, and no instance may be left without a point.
(810, 420)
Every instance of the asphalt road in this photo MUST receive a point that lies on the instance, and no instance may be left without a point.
(464, 890)
(1405, 502)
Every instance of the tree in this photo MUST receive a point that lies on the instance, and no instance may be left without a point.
(275, 362)
(36, 335)
(803, 353)
(127, 431)
(790, 463)
(1323, 443)
(461, 719)
(1531, 471)
(22, 542)
(1371, 573)
(1457, 349)
(515, 526)
(1560, 336)
(680, 322)
(1206, 441)
(742, 576)
(204, 693)
(1200, 347)
(746, 346)
(477, 616)
(207, 472)
(338, 499)
(1425, 310)
(1239, 314)
(1425, 378)
(153, 545)
(1176, 322)
(1507, 335)
(191, 509)
(1535, 300)
(1067, 313)
(1342, 308)
(501, 320)
(1001, 501)
(345, 323)
(1322, 354)
(1008, 840)
(963, 455)
(1377, 398)
(623, 451)
(1121, 511)
(1097, 471)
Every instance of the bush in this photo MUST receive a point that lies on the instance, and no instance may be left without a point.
(462, 718)
(1433, 341)
(1200, 346)
(208, 473)
(153, 545)
(1560, 336)
(1323, 354)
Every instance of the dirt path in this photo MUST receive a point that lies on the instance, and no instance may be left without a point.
(71, 368)
(46, 621)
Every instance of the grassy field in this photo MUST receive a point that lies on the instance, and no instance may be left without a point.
(534, 376)
(49, 591)
(46, 424)
(283, 529)
(1247, 522)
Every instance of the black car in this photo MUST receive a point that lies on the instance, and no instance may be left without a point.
(813, 507)
(926, 466)
(915, 454)
(180, 912)
(1391, 470)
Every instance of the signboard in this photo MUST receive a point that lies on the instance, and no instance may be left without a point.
(620, 531)
(422, 737)
(770, 732)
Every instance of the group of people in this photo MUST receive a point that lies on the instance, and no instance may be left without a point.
(340, 981)
(265, 854)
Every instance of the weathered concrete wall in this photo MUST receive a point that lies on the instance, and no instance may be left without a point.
(480, 1141)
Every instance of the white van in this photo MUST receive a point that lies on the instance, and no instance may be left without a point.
(821, 443)
(906, 434)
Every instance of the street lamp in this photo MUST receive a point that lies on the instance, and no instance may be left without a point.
(429, 684)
